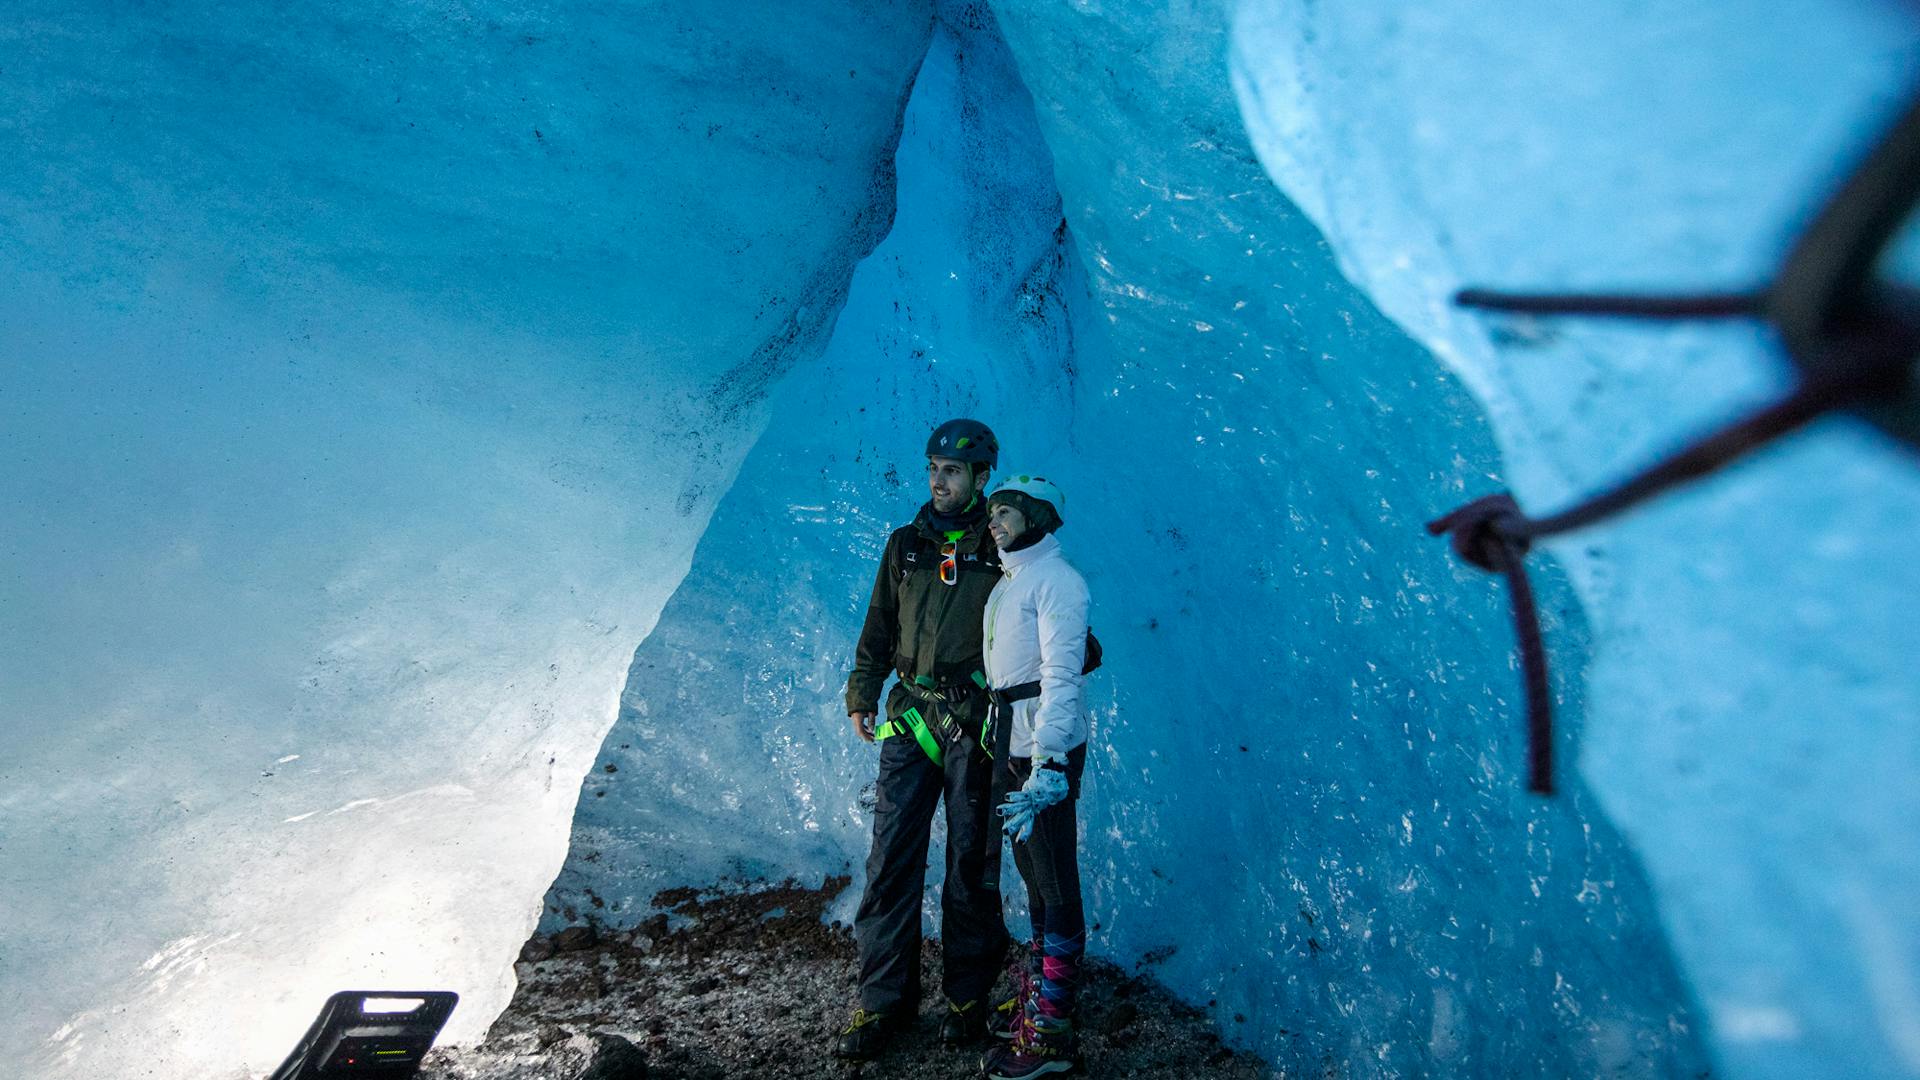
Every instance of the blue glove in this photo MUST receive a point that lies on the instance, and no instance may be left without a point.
(1046, 785)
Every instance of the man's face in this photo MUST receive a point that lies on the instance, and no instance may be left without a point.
(952, 484)
(1005, 523)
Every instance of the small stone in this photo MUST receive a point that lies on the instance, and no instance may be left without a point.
(574, 939)
(705, 984)
(1121, 1018)
(536, 949)
(615, 1059)
(642, 943)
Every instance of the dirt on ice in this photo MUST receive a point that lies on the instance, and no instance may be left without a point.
(753, 984)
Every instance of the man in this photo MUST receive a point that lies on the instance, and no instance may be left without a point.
(923, 623)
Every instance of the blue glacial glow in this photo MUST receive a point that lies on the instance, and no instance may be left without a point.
(1751, 686)
(1306, 805)
(390, 389)
(370, 374)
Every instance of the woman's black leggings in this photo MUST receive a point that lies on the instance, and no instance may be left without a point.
(1049, 863)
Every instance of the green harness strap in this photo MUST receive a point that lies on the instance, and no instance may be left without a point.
(912, 721)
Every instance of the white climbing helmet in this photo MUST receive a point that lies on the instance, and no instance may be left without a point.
(1034, 487)
(1049, 515)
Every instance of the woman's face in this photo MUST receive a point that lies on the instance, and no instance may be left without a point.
(1005, 523)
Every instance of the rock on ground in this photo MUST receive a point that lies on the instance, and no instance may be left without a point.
(754, 985)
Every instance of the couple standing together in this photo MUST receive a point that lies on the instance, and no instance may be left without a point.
(985, 624)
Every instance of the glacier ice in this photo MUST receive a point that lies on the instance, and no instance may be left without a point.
(1750, 688)
(371, 373)
(1304, 800)
(379, 377)
(732, 758)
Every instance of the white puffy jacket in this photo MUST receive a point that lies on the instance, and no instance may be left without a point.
(1035, 628)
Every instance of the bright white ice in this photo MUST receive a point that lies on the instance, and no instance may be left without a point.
(371, 373)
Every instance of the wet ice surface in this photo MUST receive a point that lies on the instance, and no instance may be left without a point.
(754, 984)
(353, 436)
(353, 484)
(1304, 789)
(1752, 640)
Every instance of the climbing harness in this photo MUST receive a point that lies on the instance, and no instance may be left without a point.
(996, 738)
(911, 722)
(1853, 336)
(944, 729)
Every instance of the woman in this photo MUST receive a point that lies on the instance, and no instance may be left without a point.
(1034, 643)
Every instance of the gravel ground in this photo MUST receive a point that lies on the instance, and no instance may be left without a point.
(755, 985)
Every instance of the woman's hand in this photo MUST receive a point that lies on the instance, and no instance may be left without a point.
(1045, 786)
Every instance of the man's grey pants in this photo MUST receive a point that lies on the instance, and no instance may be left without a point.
(972, 934)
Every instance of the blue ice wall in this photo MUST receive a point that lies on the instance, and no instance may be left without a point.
(367, 375)
(1305, 799)
(732, 756)
(370, 374)
(1751, 688)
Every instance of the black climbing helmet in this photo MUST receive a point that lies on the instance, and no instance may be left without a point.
(965, 440)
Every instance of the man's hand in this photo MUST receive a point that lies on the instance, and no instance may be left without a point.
(863, 724)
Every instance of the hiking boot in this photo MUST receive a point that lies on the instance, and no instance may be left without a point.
(1004, 1022)
(865, 1035)
(1023, 978)
(964, 1023)
(1042, 1047)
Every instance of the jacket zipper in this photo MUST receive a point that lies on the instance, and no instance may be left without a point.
(993, 623)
